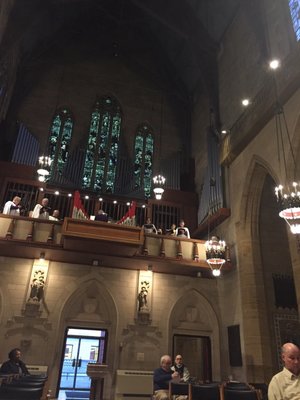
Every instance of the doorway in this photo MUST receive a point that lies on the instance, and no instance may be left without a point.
(196, 353)
(81, 346)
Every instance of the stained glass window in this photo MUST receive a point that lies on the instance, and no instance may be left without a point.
(143, 159)
(103, 143)
(295, 14)
(59, 140)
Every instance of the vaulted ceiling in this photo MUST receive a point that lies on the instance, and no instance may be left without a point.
(183, 35)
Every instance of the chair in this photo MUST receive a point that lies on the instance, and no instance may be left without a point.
(262, 388)
(237, 385)
(20, 393)
(207, 391)
(235, 394)
(179, 389)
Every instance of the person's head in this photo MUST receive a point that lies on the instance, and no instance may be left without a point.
(16, 200)
(45, 202)
(290, 354)
(55, 213)
(178, 360)
(148, 220)
(14, 355)
(173, 227)
(166, 362)
(181, 223)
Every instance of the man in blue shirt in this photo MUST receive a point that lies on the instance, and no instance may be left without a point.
(161, 378)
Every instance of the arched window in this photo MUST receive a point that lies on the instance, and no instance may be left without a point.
(103, 143)
(143, 159)
(295, 14)
(59, 140)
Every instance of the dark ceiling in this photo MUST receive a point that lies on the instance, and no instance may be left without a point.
(183, 35)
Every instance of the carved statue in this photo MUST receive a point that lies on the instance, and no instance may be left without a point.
(37, 286)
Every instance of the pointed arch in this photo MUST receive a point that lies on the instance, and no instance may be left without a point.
(101, 157)
(192, 314)
(143, 158)
(59, 140)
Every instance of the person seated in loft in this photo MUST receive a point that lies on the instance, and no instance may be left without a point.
(54, 216)
(14, 365)
(182, 231)
(12, 207)
(102, 216)
(149, 227)
(172, 230)
(41, 210)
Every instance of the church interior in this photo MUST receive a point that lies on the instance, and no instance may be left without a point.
(160, 110)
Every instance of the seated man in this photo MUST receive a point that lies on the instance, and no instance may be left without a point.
(149, 227)
(14, 365)
(102, 216)
(181, 369)
(161, 378)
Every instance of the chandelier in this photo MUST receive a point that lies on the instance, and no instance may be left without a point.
(43, 171)
(287, 192)
(289, 203)
(215, 254)
(158, 186)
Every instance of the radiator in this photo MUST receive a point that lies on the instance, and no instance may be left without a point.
(37, 369)
(134, 385)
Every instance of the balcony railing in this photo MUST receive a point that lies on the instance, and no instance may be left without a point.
(100, 243)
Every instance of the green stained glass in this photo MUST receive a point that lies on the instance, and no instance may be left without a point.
(143, 159)
(113, 153)
(91, 149)
(138, 159)
(54, 136)
(63, 151)
(101, 162)
(59, 140)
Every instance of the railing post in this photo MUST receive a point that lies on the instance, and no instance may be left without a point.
(195, 252)
(145, 249)
(30, 232)
(179, 249)
(162, 248)
(51, 234)
(10, 231)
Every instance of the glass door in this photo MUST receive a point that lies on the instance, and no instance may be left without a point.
(82, 346)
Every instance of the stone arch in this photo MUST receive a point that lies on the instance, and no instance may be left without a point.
(89, 304)
(258, 199)
(193, 315)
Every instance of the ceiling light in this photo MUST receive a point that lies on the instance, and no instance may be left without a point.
(245, 102)
(158, 186)
(274, 64)
(215, 254)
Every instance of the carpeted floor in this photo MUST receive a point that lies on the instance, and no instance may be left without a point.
(77, 395)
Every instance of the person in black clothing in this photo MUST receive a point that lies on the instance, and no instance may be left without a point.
(161, 378)
(14, 365)
(102, 216)
(149, 227)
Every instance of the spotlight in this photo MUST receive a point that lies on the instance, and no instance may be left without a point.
(274, 64)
